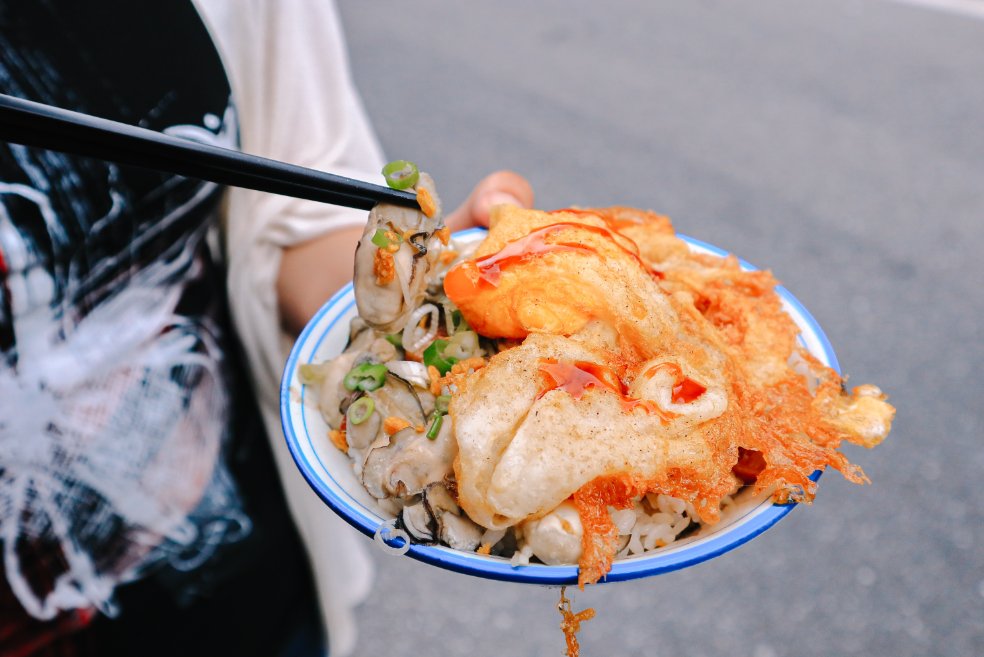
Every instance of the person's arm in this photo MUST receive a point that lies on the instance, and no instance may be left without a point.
(312, 271)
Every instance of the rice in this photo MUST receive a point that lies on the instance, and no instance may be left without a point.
(653, 522)
(521, 557)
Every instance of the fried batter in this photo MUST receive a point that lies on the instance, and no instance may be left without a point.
(571, 621)
(643, 368)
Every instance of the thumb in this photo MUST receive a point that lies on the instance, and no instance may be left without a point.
(501, 187)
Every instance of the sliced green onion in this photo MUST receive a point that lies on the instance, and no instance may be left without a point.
(435, 426)
(441, 403)
(367, 376)
(458, 320)
(462, 345)
(434, 355)
(383, 238)
(395, 339)
(360, 410)
(379, 238)
(401, 174)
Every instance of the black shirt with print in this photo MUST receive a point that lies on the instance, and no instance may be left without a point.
(90, 254)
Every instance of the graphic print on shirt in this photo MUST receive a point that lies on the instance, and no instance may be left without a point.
(112, 377)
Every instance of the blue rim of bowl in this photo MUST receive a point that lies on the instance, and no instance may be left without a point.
(740, 531)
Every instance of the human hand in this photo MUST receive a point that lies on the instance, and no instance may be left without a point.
(495, 189)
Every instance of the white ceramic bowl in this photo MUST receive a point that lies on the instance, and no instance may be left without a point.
(329, 471)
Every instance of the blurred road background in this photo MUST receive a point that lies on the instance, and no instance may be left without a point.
(838, 142)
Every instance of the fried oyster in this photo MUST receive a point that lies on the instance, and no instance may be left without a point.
(643, 368)
(578, 375)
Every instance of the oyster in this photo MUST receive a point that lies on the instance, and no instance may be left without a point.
(391, 281)
(437, 517)
(403, 464)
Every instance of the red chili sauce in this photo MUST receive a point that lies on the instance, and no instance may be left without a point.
(574, 378)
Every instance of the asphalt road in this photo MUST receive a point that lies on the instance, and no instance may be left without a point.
(839, 143)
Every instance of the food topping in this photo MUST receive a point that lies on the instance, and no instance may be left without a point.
(421, 328)
(360, 410)
(468, 365)
(337, 439)
(685, 389)
(575, 378)
(435, 426)
(426, 201)
(750, 464)
(401, 174)
(367, 377)
(441, 403)
(462, 345)
(435, 356)
(393, 424)
(487, 270)
(385, 239)
(383, 267)
(570, 622)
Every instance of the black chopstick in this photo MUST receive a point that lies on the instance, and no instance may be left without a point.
(43, 126)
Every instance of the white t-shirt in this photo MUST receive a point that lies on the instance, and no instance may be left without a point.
(291, 85)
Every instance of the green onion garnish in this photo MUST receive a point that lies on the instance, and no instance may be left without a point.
(383, 238)
(401, 174)
(435, 426)
(395, 339)
(367, 376)
(434, 355)
(462, 345)
(379, 238)
(441, 403)
(360, 410)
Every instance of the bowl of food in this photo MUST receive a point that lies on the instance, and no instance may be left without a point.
(575, 396)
